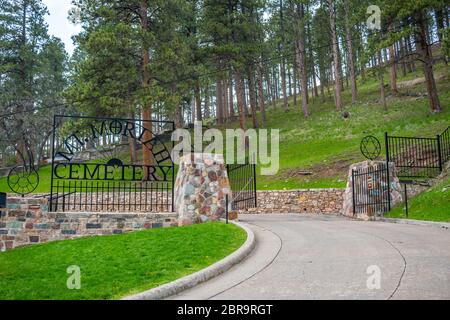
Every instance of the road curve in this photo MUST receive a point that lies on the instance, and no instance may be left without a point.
(328, 257)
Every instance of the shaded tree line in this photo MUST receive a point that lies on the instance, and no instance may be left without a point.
(217, 61)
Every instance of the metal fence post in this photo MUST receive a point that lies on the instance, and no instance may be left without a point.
(53, 162)
(386, 142)
(439, 152)
(254, 185)
(226, 208)
(386, 139)
(353, 192)
(406, 200)
(173, 171)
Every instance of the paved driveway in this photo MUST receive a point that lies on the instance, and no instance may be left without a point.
(325, 257)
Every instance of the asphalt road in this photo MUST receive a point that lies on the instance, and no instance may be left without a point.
(327, 257)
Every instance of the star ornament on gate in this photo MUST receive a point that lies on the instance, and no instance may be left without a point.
(370, 147)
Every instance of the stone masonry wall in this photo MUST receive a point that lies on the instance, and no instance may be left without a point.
(315, 201)
(27, 221)
(201, 188)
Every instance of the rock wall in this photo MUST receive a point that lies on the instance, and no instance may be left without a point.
(200, 188)
(307, 201)
(27, 221)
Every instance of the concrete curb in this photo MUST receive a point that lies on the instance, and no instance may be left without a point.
(443, 225)
(198, 277)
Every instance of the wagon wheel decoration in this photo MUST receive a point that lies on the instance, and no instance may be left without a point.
(23, 180)
(370, 147)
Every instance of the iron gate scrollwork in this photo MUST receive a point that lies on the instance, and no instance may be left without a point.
(91, 169)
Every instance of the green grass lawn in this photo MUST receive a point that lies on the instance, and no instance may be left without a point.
(432, 205)
(115, 266)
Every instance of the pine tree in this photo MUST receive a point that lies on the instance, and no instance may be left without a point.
(32, 76)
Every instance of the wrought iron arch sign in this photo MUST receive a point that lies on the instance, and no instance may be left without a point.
(91, 170)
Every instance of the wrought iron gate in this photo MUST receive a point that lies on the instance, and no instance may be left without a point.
(91, 169)
(417, 157)
(371, 190)
(242, 179)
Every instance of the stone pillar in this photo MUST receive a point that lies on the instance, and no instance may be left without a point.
(395, 188)
(200, 188)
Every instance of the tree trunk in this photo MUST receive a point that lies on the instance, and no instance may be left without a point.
(316, 92)
(283, 61)
(276, 82)
(322, 82)
(350, 62)
(295, 80)
(427, 59)
(252, 96)
(403, 57)
(178, 117)
(231, 97)
(300, 54)
(336, 62)
(393, 62)
(311, 57)
(328, 77)
(219, 102)
(132, 142)
(411, 51)
(394, 87)
(145, 83)
(271, 89)
(440, 23)
(207, 110)
(198, 102)
(283, 85)
(225, 100)
(381, 79)
(363, 69)
(244, 89)
(192, 108)
(290, 81)
(239, 83)
(262, 107)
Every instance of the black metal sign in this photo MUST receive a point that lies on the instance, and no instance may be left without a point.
(92, 170)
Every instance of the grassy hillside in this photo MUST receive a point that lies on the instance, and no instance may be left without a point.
(326, 143)
(431, 205)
